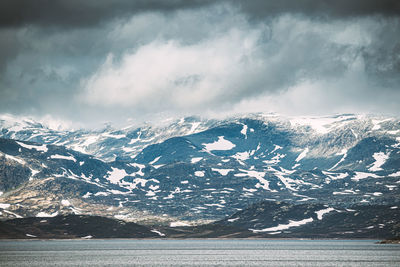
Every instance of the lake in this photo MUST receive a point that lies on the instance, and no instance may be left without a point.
(202, 252)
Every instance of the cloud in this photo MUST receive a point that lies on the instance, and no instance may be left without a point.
(89, 13)
(8, 47)
(76, 13)
(140, 58)
(353, 92)
(167, 74)
(321, 9)
(233, 66)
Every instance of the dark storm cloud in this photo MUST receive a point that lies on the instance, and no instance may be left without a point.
(78, 13)
(321, 8)
(81, 13)
(8, 47)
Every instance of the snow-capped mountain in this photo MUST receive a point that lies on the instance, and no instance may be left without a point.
(198, 169)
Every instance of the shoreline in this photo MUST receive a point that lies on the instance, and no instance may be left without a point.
(238, 239)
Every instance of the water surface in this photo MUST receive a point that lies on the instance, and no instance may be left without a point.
(198, 253)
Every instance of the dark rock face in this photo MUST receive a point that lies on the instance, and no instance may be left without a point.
(12, 174)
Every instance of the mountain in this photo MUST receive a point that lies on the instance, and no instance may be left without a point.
(193, 170)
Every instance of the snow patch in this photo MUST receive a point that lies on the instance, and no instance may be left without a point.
(44, 214)
(380, 159)
(285, 180)
(29, 235)
(42, 148)
(296, 165)
(158, 166)
(335, 176)
(195, 160)
(244, 131)
(363, 175)
(194, 127)
(223, 172)
(341, 160)
(65, 202)
(276, 147)
(178, 224)
(345, 192)
(87, 195)
(258, 175)
(199, 173)
(140, 181)
(116, 175)
(221, 144)
(395, 174)
(275, 160)
(56, 156)
(321, 213)
(284, 226)
(354, 133)
(241, 156)
(12, 213)
(140, 166)
(4, 206)
(101, 194)
(302, 155)
(20, 161)
(321, 125)
(155, 160)
(111, 135)
(150, 193)
(157, 232)
(377, 123)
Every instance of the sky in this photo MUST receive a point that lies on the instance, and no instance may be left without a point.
(95, 61)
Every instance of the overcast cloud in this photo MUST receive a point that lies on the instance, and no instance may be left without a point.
(95, 61)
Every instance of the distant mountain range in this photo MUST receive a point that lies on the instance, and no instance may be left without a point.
(234, 172)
